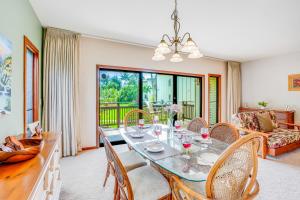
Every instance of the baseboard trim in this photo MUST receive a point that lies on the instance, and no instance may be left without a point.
(89, 148)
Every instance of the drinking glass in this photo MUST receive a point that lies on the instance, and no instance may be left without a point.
(157, 131)
(187, 144)
(141, 123)
(177, 124)
(205, 136)
(155, 119)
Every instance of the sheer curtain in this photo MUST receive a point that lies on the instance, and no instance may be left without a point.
(234, 90)
(60, 87)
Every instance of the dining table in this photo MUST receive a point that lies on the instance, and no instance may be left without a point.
(193, 164)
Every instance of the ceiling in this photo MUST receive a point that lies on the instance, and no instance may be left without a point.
(240, 30)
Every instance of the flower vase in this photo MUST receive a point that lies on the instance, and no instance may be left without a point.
(170, 127)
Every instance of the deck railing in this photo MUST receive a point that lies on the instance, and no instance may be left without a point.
(112, 114)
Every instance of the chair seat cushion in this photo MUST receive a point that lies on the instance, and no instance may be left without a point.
(148, 184)
(198, 187)
(131, 160)
(282, 137)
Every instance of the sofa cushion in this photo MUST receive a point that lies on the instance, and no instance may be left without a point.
(272, 116)
(265, 122)
(248, 120)
(282, 137)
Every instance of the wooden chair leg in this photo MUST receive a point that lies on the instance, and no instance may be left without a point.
(118, 197)
(264, 147)
(107, 174)
(115, 189)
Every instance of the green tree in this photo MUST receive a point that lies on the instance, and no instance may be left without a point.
(128, 93)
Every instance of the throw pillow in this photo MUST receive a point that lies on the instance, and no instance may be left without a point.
(265, 122)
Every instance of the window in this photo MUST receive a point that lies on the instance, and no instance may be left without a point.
(31, 82)
(214, 89)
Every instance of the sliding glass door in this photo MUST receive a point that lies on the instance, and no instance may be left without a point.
(189, 97)
(121, 91)
(157, 93)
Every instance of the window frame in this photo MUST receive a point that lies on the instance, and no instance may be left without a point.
(28, 45)
(219, 92)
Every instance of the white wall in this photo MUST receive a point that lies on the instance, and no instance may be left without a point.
(95, 51)
(267, 80)
(17, 19)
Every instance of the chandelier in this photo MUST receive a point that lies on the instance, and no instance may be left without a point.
(183, 44)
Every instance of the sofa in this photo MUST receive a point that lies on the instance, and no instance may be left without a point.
(275, 142)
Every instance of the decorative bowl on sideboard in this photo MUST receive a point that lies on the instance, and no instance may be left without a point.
(32, 147)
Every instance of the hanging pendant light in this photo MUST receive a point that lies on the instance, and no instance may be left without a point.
(184, 44)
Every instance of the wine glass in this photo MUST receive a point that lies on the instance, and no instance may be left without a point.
(177, 124)
(155, 119)
(157, 131)
(141, 123)
(205, 136)
(187, 144)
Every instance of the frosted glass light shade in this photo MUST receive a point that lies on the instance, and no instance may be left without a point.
(176, 58)
(195, 54)
(158, 57)
(189, 46)
(163, 47)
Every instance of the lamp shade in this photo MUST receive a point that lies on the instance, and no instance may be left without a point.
(195, 54)
(158, 56)
(176, 58)
(163, 47)
(189, 46)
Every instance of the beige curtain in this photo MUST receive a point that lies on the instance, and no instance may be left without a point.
(234, 91)
(60, 87)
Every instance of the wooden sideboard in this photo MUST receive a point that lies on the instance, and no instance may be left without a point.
(281, 115)
(35, 179)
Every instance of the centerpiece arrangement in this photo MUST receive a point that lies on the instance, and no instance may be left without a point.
(172, 110)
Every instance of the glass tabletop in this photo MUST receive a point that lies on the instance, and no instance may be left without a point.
(193, 165)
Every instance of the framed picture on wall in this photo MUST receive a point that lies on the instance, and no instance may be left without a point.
(5, 74)
(294, 82)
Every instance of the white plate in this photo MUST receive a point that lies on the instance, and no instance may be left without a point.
(155, 148)
(137, 135)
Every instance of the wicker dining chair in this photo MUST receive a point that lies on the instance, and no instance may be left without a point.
(196, 124)
(130, 159)
(224, 132)
(232, 177)
(144, 183)
(132, 117)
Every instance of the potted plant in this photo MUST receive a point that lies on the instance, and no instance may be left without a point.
(262, 104)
